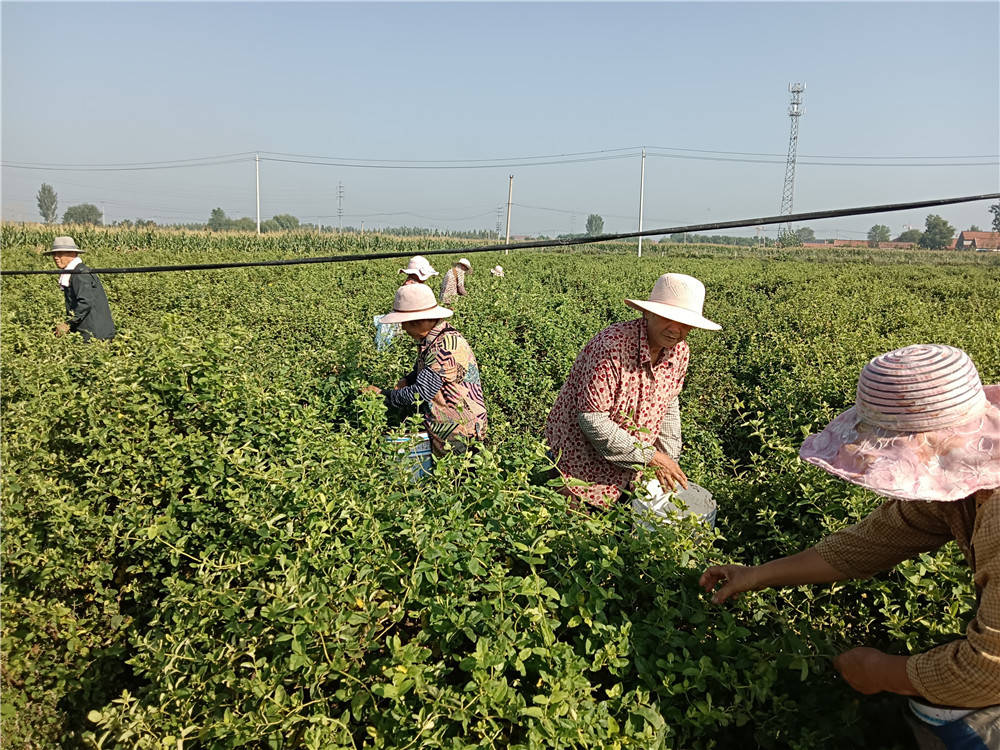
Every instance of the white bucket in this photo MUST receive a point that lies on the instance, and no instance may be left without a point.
(414, 453)
(666, 507)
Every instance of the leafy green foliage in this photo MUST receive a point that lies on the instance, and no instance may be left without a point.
(878, 233)
(937, 233)
(48, 203)
(83, 213)
(595, 224)
(208, 541)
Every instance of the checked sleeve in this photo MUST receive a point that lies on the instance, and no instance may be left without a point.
(612, 442)
(966, 672)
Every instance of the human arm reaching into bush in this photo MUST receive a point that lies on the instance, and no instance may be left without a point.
(964, 672)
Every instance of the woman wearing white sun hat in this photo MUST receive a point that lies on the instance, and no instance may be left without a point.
(445, 376)
(418, 270)
(925, 433)
(453, 283)
(618, 408)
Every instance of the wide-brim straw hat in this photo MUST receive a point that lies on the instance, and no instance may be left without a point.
(420, 267)
(415, 302)
(62, 245)
(677, 296)
(923, 428)
(465, 262)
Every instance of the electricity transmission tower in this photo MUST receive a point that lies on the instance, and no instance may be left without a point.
(795, 111)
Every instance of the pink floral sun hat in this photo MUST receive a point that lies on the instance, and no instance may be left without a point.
(923, 428)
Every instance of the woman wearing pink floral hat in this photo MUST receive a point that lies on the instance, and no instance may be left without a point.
(925, 433)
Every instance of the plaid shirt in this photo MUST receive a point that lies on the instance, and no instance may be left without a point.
(614, 375)
(966, 672)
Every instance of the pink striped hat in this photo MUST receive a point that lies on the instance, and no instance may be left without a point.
(923, 428)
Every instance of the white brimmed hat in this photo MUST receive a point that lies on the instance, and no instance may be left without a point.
(62, 245)
(415, 302)
(464, 262)
(420, 267)
(677, 296)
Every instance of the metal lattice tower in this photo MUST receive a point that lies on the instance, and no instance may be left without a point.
(795, 111)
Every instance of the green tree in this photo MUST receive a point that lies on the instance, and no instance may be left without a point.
(83, 213)
(48, 202)
(937, 233)
(995, 210)
(270, 226)
(244, 224)
(910, 235)
(286, 221)
(595, 225)
(218, 221)
(878, 233)
(974, 228)
(805, 234)
(788, 239)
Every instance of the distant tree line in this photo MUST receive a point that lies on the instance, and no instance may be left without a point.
(937, 233)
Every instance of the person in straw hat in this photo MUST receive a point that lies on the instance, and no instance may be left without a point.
(445, 377)
(86, 303)
(618, 409)
(497, 271)
(453, 283)
(418, 270)
(925, 434)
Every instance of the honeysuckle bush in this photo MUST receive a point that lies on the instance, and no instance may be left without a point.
(208, 542)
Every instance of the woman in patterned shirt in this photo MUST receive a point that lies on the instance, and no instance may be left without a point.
(453, 283)
(924, 433)
(445, 377)
(618, 408)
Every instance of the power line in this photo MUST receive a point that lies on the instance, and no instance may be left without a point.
(12, 165)
(807, 216)
(544, 159)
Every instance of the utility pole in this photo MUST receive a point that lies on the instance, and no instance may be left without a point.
(362, 227)
(510, 194)
(795, 111)
(340, 207)
(642, 186)
(256, 159)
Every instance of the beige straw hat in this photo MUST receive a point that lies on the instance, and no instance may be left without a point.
(62, 245)
(677, 296)
(415, 302)
(923, 428)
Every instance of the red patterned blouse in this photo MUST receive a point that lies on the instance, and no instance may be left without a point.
(613, 374)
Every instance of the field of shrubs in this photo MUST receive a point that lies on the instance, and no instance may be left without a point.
(207, 542)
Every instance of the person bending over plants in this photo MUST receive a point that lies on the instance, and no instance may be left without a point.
(445, 376)
(618, 408)
(453, 283)
(924, 433)
(417, 271)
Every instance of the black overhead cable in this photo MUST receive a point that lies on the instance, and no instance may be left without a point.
(780, 219)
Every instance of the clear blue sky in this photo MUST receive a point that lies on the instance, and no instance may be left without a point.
(103, 83)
